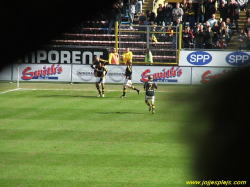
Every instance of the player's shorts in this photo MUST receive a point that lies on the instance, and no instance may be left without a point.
(98, 80)
(127, 82)
(151, 98)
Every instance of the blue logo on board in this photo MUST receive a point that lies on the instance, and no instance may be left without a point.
(199, 58)
(238, 59)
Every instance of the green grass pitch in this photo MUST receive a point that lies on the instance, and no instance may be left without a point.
(62, 135)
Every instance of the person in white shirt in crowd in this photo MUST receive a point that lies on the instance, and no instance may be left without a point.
(132, 5)
(212, 20)
(177, 13)
(139, 7)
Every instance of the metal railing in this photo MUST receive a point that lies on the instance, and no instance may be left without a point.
(164, 44)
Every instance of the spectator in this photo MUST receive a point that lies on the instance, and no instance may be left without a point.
(153, 37)
(143, 27)
(177, 13)
(120, 6)
(191, 33)
(208, 36)
(247, 25)
(234, 13)
(223, 9)
(207, 24)
(170, 33)
(224, 32)
(212, 20)
(147, 12)
(230, 27)
(132, 12)
(248, 13)
(167, 13)
(175, 39)
(167, 34)
(148, 56)
(186, 39)
(142, 18)
(151, 16)
(242, 4)
(217, 45)
(185, 7)
(210, 8)
(216, 30)
(125, 7)
(196, 27)
(191, 15)
(199, 37)
(248, 40)
(200, 17)
(241, 38)
(223, 44)
(220, 21)
(113, 17)
(139, 7)
(159, 17)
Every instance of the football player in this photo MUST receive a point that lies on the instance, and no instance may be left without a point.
(96, 62)
(101, 72)
(128, 80)
(149, 87)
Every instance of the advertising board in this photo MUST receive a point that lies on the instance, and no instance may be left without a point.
(214, 58)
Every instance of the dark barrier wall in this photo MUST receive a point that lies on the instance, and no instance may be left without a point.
(65, 55)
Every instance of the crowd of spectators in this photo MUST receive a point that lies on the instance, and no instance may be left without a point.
(201, 27)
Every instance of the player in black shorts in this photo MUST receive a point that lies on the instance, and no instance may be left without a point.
(101, 72)
(149, 87)
(128, 82)
(95, 63)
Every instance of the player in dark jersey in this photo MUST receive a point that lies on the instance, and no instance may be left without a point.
(128, 82)
(101, 72)
(95, 63)
(149, 87)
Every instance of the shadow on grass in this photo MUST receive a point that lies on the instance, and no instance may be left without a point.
(83, 96)
(119, 113)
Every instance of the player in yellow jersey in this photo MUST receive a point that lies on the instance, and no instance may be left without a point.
(127, 55)
(149, 87)
(128, 80)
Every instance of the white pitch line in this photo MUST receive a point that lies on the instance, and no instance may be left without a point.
(41, 89)
(20, 89)
(46, 89)
(9, 91)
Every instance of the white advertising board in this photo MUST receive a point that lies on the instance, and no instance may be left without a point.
(42, 72)
(84, 73)
(204, 75)
(214, 58)
(164, 75)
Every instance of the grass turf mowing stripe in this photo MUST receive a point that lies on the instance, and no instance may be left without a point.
(94, 147)
(94, 173)
(77, 125)
(65, 135)
(76, 183)
(13, 158)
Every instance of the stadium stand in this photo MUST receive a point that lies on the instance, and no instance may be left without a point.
(94, 33)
